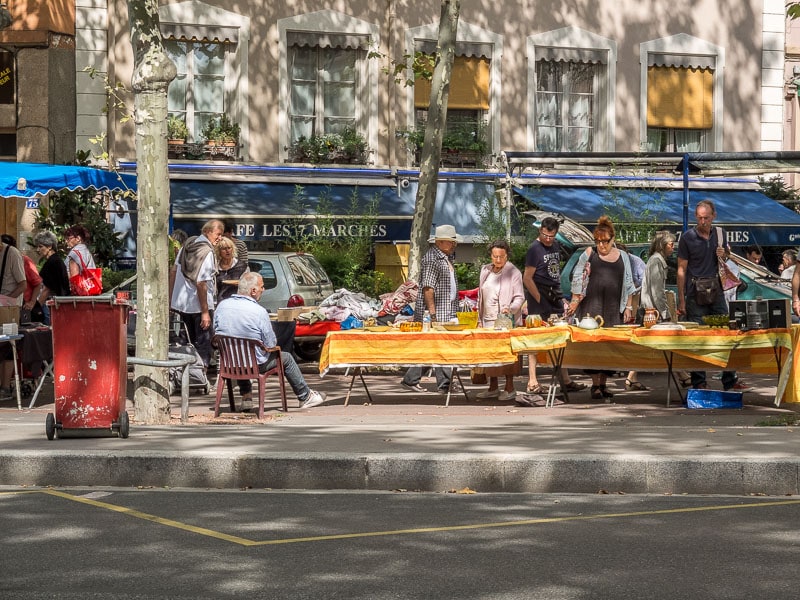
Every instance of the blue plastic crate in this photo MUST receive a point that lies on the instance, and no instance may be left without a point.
(713, 399)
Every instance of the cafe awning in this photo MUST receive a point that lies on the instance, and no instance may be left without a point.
(749, 217)
(266, 210)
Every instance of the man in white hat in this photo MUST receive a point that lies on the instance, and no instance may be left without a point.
(438, 294)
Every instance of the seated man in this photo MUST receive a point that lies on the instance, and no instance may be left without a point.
(242, 316)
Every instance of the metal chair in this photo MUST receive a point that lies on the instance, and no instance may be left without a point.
(237, 360)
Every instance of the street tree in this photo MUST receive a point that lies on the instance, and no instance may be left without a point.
(152, 73)
(434, 133)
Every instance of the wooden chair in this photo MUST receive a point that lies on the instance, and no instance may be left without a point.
(237, 360)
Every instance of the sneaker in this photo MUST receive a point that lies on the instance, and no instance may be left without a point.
(314, 399)
(413, 387)
(506, 396)
(740, 386)
(487, 394)
(247, 404)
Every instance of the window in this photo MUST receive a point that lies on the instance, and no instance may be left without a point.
(679, 108)
(681, 95)
(571, 105)
(325, 87)
(474, 99)
(327, 84)
(197, 94)
(210, 47)
(467, 106)
(565, 102)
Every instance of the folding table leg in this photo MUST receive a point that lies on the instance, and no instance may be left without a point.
(47, 370)
(557, 381)
(454, 373)
(357, 371)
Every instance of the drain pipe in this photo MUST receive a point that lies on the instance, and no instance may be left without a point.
(176, 359)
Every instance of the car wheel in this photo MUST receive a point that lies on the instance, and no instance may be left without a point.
(309, 351)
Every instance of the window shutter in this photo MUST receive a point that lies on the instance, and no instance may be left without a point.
(469, 85)
(680, 97)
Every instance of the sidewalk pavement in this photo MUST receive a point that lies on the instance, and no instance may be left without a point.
(410, 441)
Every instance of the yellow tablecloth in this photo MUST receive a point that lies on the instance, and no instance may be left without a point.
(468, 348)
(604, 348)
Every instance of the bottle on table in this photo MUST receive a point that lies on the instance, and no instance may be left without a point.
(426, 321)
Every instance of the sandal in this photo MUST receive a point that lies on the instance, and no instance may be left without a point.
(537, 389)
(686, 381)
(635, 385)
(573, 386)
(604, 392)
(596, 393)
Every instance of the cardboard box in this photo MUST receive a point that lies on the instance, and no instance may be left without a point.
(290, 314)
(9, 314)
(713, 399)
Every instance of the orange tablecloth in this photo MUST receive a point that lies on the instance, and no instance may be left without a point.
(469, 348)
(604, 348)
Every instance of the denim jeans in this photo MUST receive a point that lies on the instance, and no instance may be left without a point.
(414, 374)
(695, 312)
(290, 371)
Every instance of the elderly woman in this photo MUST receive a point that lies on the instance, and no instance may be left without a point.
(53, 271)
(602, 284)
(500, 294)
(229, 268)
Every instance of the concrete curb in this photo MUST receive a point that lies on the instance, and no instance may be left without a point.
(633, 474)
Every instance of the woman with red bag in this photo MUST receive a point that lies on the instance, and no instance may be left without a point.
(79, 257)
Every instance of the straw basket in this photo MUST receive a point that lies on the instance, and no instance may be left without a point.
(470, 319)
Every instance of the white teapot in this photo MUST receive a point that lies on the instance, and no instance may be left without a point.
(590, 322)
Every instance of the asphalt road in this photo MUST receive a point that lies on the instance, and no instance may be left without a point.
(155, 543)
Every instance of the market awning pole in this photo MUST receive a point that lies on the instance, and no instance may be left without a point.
(685, 192)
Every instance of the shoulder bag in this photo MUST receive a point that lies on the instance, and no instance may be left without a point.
(89, 282)
(727, 278)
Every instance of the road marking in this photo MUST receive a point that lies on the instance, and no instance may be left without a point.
(153, 518)
(365, 534)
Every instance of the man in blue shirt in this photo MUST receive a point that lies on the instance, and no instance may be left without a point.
(242, 316)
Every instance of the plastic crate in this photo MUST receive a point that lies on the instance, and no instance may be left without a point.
(713, 399)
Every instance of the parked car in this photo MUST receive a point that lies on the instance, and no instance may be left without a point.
(290, 279)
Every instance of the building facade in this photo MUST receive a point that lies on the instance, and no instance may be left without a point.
(294, 76)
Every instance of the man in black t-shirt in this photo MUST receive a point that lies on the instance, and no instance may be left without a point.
(542, 282)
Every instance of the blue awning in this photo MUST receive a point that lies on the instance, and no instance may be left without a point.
(749, 217)
(262, 211)
(28, 180)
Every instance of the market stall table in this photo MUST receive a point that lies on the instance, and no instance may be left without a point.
(642, 349)
(362, 348)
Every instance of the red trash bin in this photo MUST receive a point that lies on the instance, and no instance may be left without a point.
(89, 364)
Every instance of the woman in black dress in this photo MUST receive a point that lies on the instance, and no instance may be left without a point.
(602, 284)
(53, 271)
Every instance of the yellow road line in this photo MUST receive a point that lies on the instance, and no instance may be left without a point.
(365, 534)
(153, 518)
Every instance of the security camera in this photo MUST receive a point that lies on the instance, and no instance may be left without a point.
(404, 183)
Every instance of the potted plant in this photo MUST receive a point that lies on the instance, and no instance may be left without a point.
(177, 132)
(221, 131)
(346, 147)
